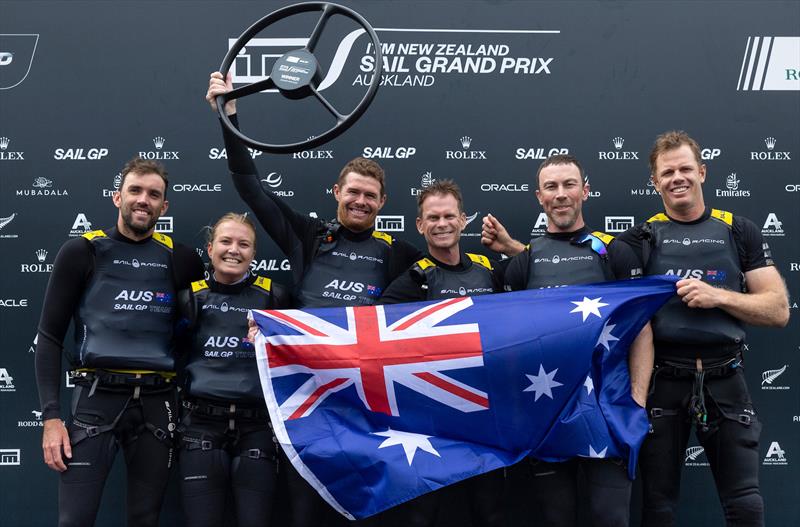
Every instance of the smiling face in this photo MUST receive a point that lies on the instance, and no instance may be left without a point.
(359, 200)
(231, 251)
(140, 201)
(441, 222)
(679, 177)
(561, 194)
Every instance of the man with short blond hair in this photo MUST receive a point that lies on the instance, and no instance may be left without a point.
(728, 280)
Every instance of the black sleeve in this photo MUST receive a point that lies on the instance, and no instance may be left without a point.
(71, 270)
(294, 233)
(754, 252)
(280, 296)
(187, 310)
(634, 238)
(516, 275)
(499, 268)
(403, 289)
(403, 256)
(624, 262)
(187, 268)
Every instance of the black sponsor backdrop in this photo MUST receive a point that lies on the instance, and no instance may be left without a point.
(119, 75)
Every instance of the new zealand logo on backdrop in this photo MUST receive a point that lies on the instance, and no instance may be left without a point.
(411, 56)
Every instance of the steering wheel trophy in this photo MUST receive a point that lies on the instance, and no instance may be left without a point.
(297, 74)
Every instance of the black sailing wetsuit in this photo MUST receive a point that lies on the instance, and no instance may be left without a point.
(226, 441)
(718, 249)
(121, 294)
(431, 279)
(554, 260)
(331, 266)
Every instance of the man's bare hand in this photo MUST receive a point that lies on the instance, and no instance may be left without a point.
(55, 438)
(696, 293)
(495, 236)
(217, 85)
(252, 330)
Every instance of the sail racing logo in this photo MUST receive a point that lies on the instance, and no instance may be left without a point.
(409, 61)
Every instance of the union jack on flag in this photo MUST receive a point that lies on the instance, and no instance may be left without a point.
(374, 356)
(375, 405)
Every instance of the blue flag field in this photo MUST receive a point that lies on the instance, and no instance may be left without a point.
(376, 405)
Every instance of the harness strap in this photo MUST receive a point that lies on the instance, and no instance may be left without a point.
(230, 411)
(76, 436)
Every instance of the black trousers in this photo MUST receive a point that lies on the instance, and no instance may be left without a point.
(225, 459)
(143, 426)
(554, 491)
(307, 508)
(730, 439)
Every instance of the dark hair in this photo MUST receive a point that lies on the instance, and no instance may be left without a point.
(441, 187)
(670, 141)
(140, 167)
(363, 167)
(560, 159)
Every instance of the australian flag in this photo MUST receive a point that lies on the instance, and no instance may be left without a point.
(376, 405)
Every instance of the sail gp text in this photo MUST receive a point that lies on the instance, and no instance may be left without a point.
(416, 64)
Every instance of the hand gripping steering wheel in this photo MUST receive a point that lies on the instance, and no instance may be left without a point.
(297, 75)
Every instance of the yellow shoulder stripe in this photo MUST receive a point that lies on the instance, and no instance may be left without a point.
(263, 283)
(724, 216)
(658, 217)
(163, 239)
(425, 263)
(382, 236)
(480, 260)
(199, 286)
(606, 238)
(94, 234)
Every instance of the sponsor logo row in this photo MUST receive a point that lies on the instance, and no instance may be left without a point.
(772, 227)
(42, 187)
(463, 150)
(695, 456)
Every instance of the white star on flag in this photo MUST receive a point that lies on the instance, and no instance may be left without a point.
(606, 337)
(410, 442)
(594, 453)
(589, 384)
(542, 383)
(589, 306)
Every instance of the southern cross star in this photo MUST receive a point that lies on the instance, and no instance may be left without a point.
(542, 383)
(606, 337)
(589, 384)
(410, 442)
(588, 306)
(594, 453)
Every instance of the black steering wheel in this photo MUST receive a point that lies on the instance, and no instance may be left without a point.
(297, 74)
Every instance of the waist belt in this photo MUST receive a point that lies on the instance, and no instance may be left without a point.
(698, 370)
(688, 368)
(232, 410)
(149, 380)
